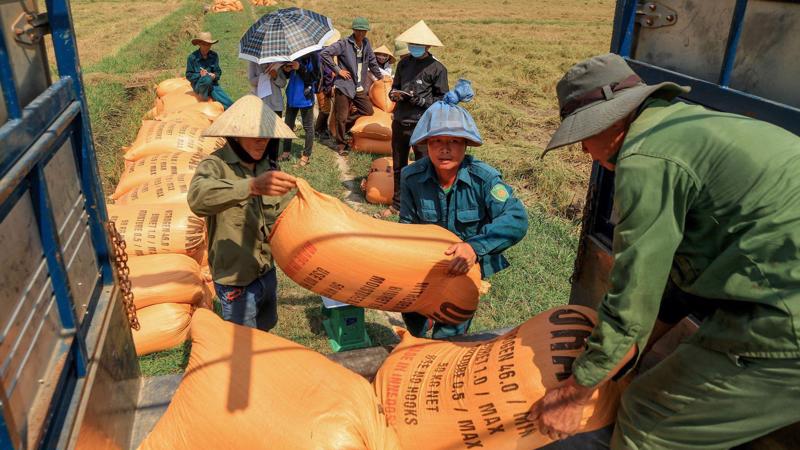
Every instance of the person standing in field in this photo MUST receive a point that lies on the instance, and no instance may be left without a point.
(267, 82)
(420, 80)
(325, 94)
(303, 81)
(351, 85)
(238, 192)
(203, 70)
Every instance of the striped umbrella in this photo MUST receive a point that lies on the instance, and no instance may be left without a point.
(285, 35)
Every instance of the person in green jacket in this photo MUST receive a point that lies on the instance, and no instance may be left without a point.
(240, 195)
(707, 211)
(203, 70)
(462, 194)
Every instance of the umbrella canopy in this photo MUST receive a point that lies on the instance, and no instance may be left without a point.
(285, 35)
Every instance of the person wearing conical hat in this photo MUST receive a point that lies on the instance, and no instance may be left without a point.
(240, 193)
(354, 60)
(385, 60)
(203, 70)
(420, 80)
(462, 194)
(707, 212)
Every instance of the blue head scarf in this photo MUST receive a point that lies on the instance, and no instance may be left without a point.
(446, 118)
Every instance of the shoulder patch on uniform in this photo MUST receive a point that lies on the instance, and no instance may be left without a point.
(499, 192)
(483, 170)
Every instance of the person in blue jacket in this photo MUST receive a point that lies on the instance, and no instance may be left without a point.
(300, 94)
(203, 70)
(462, 194)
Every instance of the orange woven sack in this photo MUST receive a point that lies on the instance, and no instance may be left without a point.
(171, 85)
(186, 101)
(157, 229)
(247, 389)
(168, 189)
(379, 94)
(380, 182)
(477, 394)
(162, 164)
(166, 137)
(371, 145)
(376, 126)
(328, 248)
(189, 117)
(165, 279)
(163, 326)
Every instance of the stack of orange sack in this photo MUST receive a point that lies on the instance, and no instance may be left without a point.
(176, 98)
(166, 242)
(373, 134)
(226, 6)
(264, 2)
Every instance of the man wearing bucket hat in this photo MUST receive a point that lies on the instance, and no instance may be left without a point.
(419, 82)
(708, 204)
(459, 193)
(203, 71)
(241, 195)
(351, 86)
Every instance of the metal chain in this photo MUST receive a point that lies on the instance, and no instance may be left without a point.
(121, 265)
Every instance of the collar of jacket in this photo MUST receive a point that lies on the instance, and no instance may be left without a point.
(463, 171)
(352, 40)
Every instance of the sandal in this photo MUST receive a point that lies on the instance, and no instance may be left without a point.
(343, 152)
(303, 161)
(386, 213)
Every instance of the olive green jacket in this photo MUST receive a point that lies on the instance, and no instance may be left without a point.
(238, 223)
(711, 200)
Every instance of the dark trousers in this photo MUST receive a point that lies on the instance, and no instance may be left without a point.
(274, 146)
(401, 146)
(307, 114)
(254, 305)
(344, 117)
(418, 326)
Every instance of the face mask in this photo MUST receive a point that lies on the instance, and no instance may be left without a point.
(416, 50)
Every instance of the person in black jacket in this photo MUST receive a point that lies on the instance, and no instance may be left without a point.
(351, 86)
(419, 81)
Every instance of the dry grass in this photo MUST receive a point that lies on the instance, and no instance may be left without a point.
(103, 27)
(514, 52)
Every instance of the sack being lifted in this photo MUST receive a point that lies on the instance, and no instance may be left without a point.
(328, 248)
(379, 186)
(162, 164)
(168, 189)
(169, 278)
(162, 326)
(158, 229)
(166, 137)
(451, 395)
(248, 389)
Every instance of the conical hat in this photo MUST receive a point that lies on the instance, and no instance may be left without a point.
(385, 50)
(420, 34)
(249, 117)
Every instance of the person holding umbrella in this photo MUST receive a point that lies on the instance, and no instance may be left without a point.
(351, 86)
(203, 70)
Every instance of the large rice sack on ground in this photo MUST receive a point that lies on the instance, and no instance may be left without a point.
(247, 389)
(169, 278)
(446, 395)
(376, 126)
(171, 85)
(380, 182)
(163, 326)
(370, 145)
(168, 189)
(158, 229)
(162, 164)
(186, 101)
(379, 94)
(328, 248)
(189, 117)
(166, 137)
